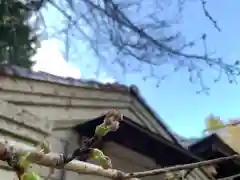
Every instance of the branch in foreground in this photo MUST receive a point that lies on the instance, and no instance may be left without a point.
(51, 160)
(181, 167)
(110, 123)
(230, 177)
(20, 162)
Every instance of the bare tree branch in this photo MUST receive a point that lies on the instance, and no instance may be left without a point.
(230, 177)
(207, 14)
(181, 167)
(139, 36)
(52, 160)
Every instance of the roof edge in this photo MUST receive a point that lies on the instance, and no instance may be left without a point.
(158, 138)
(24, 73)
(135, 92)
(16, 71)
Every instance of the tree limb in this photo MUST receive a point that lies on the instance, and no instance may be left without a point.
(230, 177)
(51, 160)
(181, 167)
(207, 14)
(141, 39)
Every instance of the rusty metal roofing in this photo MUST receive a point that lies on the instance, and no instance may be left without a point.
(16, 71)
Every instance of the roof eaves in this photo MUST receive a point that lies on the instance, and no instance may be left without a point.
(16, 71)
(135, 92)
(47, 77)
(157, 138)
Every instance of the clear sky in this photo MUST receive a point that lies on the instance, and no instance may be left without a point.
(175, 100)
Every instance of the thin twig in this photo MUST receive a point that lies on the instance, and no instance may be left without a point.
(180, 167)
(230, 177)
(207, 14)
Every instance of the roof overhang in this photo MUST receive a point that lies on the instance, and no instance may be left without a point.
(143, 141)
(136, 106)
(214, 147)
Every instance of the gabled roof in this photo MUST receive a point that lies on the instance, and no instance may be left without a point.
(143, 141)
(15, 71)
(213, 146)
(156, 139)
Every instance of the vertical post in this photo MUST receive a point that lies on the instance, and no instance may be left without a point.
(65, 151)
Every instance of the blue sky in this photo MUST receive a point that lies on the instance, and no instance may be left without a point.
(175, 100)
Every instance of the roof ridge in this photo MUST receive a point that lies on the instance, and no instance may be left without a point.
(12, 70)
(21, 72)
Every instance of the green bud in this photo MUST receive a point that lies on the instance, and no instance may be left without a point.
(101, 130)
(103, 160)
(23, 162)
(30, 176)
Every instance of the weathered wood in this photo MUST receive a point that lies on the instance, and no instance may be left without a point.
(64, 100)
(21, 116)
